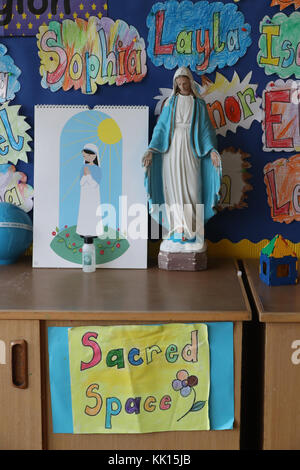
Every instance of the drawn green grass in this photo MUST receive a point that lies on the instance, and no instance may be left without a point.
(67, 244)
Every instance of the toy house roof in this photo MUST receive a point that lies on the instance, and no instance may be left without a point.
(278, 248)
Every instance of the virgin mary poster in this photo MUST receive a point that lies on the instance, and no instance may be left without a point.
(89, 183)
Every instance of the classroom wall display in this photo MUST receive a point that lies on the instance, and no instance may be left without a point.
(23, 18)
(14, 188)
(141, 378)
(235, 179)
(202, 36)
(9, 73)
(282, 180)
(83, 54)
(78, 195)
(279, 45)
(273, 131)
(14, 139)
(286, 3)
(281, 116)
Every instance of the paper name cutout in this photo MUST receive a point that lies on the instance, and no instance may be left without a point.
(286, 3)
(83, 54)
(230, 104)
(281, 116)
(14, 188)
(279, 45)
(137, 379)
(23, 18)
(235, 179)
(13, 136)
(282, 180)
(196, 35)
(9, 73)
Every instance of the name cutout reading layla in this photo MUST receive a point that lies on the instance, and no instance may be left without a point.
(83, 54)
(197, 35)
(282, 180)
(279, 45)
(138, 379)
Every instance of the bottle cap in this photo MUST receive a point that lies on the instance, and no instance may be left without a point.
(88, 240)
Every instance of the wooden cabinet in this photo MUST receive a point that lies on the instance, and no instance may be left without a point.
(39, 298)
(20, 378)
(279, 311)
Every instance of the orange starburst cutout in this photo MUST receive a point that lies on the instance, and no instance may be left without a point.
(286, 3)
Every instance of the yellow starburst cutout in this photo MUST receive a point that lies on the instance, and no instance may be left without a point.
(13, 136)
(286, 3)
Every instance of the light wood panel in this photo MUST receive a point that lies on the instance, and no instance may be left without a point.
(20, 409)
(278, 308)
(57, 294)
(281, 388)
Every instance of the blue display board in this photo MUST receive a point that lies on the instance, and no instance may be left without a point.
(253, 222)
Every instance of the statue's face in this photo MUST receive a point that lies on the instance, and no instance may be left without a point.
(184, 85)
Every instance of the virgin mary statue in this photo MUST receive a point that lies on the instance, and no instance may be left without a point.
(183, 175)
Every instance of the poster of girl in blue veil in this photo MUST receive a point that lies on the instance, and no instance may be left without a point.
(90, 180)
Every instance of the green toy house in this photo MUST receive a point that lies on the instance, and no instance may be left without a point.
(278, 263)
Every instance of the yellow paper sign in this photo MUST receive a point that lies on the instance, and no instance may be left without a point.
(139, 379)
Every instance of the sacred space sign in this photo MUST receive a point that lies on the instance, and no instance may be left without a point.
(141, 378)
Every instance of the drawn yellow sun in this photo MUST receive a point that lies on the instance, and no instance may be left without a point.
(109, 131)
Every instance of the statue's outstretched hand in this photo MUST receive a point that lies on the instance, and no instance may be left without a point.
(215, 159)
(147, 159)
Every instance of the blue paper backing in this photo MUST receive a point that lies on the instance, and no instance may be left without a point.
(221, 399)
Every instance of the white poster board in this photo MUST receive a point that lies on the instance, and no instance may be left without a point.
(120, 136)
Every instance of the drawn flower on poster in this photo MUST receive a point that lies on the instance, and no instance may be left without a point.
(235, 179)
(83, 54)
(280, 121)
(9, 73)
(13, 136)
(14, 188)
(286, 3)
(185, 383)
(230, 104)
(197, 35)
(282, 180)
(278, 45)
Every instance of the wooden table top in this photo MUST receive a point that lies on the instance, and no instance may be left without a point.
(216, 294)
(274, 303)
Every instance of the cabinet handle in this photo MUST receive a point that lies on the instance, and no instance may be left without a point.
(19, 363)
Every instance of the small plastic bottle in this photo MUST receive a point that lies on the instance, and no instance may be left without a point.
(88, 255)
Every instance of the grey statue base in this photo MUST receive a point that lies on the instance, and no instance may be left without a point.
(189, 261)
